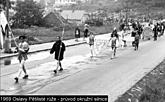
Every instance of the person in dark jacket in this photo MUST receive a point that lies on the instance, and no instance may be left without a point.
(86, 30)
(59, 49)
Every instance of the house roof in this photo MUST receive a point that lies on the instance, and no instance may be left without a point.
(70, 14)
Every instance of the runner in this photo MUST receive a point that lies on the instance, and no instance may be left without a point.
(23, 49)
(114, 38)
(162, 29)
(136, 41)
(159, 29)
(155, 32)
(124, 42)
(58, 48)
(91, 43)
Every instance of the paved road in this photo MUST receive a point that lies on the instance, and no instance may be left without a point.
(111, 77)
(83, 75)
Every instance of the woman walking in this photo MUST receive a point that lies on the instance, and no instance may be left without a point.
(23, 49)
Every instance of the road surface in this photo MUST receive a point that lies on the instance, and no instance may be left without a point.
(83, 75)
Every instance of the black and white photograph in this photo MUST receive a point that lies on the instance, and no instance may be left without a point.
(82, 50)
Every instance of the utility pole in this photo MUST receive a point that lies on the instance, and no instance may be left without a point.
(7, 46)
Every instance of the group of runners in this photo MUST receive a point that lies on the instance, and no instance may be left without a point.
(23, 47)
(58, 47)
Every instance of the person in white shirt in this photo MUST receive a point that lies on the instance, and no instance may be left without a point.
(23, 49)
(91, 43)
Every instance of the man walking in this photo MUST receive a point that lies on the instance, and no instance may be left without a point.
(59, 48)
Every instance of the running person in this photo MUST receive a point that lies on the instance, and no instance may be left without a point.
(124, 33)
(113, 45)
(155, 29)
(137, 37)
(58, 48)
(91, 44)
(114, 38)
(23, 49)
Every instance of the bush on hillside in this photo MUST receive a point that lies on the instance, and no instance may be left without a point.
(66, 27)
(94, 22)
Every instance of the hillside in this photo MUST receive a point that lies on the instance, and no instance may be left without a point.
(151, 7)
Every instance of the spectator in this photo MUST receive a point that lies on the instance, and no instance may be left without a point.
(86, 30)
(77, 33)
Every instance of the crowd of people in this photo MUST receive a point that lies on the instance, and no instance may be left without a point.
(59, 47)
(158, 30)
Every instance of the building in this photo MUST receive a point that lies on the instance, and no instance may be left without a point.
(76, 16)
(53, 19)
(64, 2)
(56, 3)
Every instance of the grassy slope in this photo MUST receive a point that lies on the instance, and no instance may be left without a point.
(48, 34)
(150, 89)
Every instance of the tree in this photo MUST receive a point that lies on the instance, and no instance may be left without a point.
(42, 3)
(4, 3)
(28, 13)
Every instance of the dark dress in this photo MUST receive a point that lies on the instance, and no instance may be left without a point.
(59, 52)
